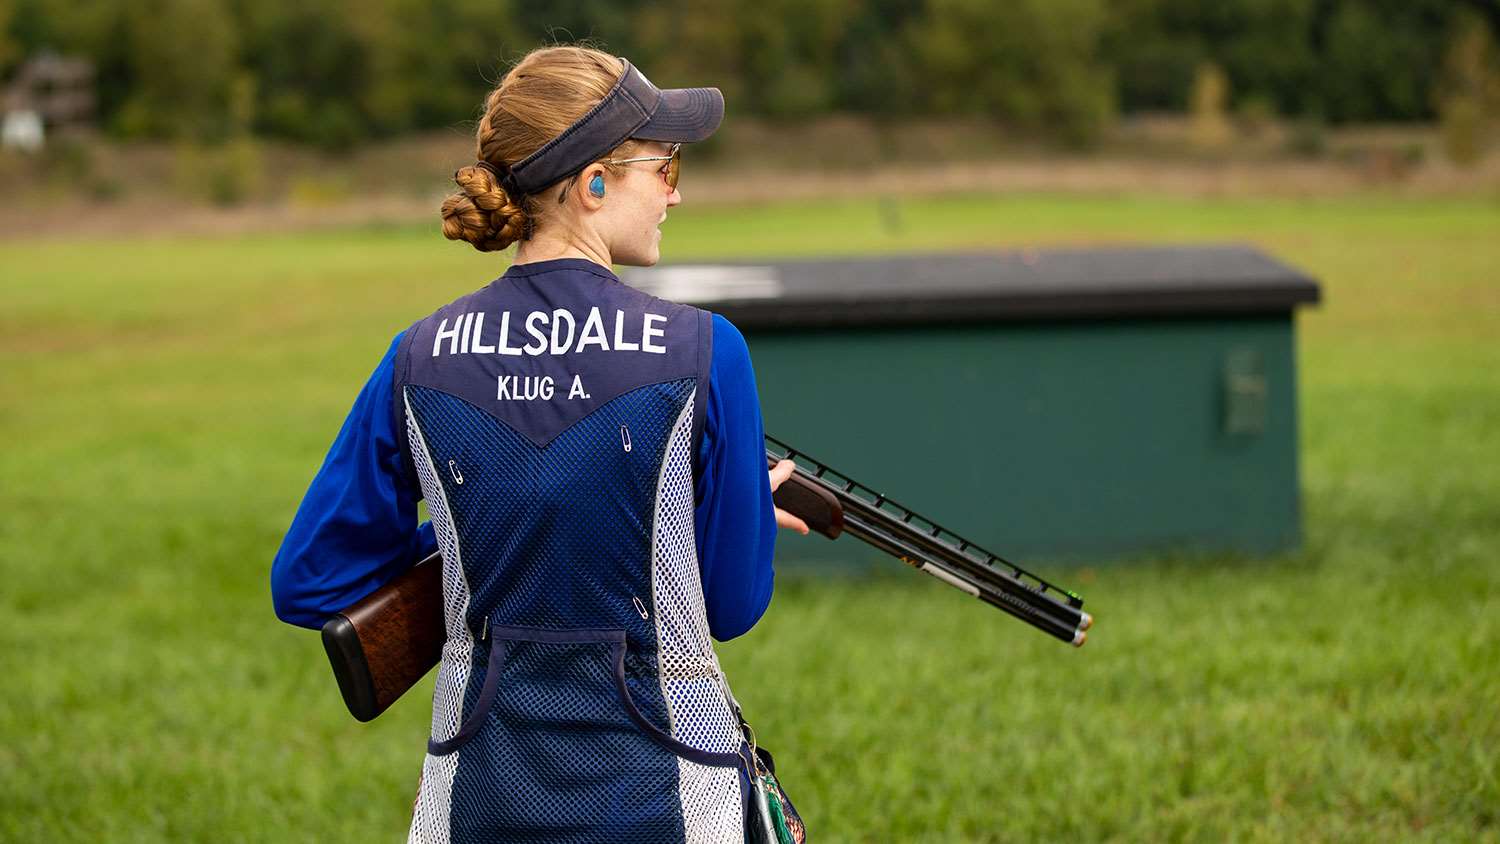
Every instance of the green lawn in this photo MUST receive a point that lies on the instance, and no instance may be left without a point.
(164, 403)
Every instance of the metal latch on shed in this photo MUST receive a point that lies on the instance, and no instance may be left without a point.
(1244, 392)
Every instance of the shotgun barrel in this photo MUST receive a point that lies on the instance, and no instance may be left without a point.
(833, 504)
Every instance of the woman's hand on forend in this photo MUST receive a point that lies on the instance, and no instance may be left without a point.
(779, 473)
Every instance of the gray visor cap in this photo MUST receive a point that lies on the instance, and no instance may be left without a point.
(634, 108)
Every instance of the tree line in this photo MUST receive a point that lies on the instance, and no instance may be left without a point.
(339, 72)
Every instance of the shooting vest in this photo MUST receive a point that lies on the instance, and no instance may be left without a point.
(552, 420)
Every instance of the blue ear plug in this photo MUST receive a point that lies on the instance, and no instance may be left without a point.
(596, 185)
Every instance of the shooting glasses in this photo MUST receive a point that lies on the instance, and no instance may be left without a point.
(670, 171)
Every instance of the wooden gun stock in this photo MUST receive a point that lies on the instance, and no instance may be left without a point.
(383, 645)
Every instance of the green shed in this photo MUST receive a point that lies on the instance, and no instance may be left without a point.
(1058, 403)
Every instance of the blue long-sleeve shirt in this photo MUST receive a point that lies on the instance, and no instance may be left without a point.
(356, 528)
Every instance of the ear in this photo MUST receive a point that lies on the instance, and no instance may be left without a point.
(581, 187)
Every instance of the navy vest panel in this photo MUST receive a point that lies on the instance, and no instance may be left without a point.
(541, 350)
(552, 539)
(555, 536)
(551, 418)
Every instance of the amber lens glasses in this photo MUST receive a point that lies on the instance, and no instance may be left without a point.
(674, 166)
(670, 171)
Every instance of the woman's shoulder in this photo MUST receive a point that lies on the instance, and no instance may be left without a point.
(730, 367)
(726, 330)
(729, 343)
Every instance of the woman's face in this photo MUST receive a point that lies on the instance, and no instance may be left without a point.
(635, 205)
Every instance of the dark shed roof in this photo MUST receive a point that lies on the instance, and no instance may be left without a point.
(1115, 282)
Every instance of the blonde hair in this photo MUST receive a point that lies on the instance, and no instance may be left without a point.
(542, 95)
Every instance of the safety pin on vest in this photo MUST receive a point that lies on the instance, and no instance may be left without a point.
(639, 607)
(458, 477)
(625, 438)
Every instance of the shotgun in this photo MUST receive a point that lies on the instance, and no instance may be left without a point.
(385, 643)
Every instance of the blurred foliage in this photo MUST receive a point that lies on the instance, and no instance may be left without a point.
(1308, 137)
(323, 190)
(336, 73)
(68, 161)
(224, 174)
(10, 49)
(1469, 98)
(1255, 114)
(1211, 129)
(1036, 63)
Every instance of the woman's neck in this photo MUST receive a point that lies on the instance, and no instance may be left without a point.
(542, 247)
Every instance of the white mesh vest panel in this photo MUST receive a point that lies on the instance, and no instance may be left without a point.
(691, 680)
(430, 818)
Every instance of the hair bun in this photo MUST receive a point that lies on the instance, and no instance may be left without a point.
(483, 214)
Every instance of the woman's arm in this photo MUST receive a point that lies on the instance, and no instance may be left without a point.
(357, 526)
(735, 521)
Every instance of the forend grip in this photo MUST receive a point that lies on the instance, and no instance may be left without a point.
(806, 499)
(383, 645)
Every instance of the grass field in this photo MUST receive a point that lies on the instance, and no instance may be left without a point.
(166, 401)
